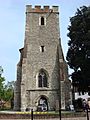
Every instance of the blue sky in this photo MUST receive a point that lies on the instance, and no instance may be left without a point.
(12, 28)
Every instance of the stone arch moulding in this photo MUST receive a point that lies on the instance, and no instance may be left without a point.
(42, 96)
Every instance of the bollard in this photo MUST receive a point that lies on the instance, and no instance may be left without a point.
(87, 107)
(60, 114)
(87, 114)
(31, 114)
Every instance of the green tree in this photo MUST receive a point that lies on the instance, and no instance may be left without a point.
(78, 55)
(2, 80)
(9, 91)
(6, 90)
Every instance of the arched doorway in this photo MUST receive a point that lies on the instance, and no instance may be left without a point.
(42, 104)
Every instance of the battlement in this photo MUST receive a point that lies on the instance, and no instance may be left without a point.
(39, 9)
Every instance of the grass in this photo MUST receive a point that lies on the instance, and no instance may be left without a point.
(64, 114)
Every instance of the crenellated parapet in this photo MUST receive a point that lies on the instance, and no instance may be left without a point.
(39, 9)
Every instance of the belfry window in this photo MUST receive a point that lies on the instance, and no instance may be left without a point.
(42, 48)
(42, 79)
(42, 21)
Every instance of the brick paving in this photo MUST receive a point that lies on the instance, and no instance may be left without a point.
(79, 118)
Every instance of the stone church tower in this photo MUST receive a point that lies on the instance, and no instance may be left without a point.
(42, 70)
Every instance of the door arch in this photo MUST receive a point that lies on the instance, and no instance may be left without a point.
(42, 103)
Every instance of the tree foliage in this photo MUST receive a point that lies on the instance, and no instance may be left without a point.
(9, 91)
(78, 55)
(6, 90)
(2, 80)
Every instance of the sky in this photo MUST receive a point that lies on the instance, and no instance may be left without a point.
(12, 28)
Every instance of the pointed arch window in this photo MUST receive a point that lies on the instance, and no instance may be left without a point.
(42, 79)
(42, 21)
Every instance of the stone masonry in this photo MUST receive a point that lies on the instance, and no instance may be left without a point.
(42, 75)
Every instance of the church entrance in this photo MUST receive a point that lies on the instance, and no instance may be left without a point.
(42, 104)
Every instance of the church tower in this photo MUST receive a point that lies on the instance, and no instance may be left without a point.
(41, 71)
